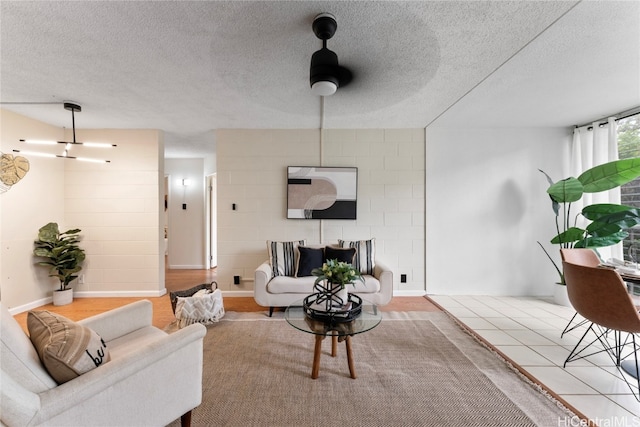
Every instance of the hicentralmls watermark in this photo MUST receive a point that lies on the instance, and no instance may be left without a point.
(600, 422)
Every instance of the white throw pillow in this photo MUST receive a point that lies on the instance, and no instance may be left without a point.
(365, 254)
(283, 255)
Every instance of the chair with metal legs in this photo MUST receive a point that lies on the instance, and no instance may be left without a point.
(580, 256)
(600, 296)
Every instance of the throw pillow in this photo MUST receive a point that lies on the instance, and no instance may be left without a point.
(309, 259)
(341, 254)
(66, 348)
(365, 254)
(282, 256)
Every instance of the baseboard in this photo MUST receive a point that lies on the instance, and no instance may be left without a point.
(409, 293)
(30, 306)
(187, 267)
(237, 293)
(119, 294)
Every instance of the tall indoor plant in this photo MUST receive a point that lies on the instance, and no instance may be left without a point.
(62, 254)
(607, 221)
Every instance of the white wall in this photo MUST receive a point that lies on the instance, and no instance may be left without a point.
(486, 208)
(252, 167)
(28, 205)
(116, 205)
(187, 234)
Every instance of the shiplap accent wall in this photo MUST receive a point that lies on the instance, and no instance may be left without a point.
(252, 168)
(117, 206)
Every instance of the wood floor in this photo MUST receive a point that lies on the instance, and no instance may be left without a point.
(184, 279)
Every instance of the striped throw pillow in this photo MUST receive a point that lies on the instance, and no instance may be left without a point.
(282, 256)
(365, 254)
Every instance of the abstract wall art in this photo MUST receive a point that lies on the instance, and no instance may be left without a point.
(321, 192)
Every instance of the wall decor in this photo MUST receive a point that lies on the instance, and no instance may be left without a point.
(12, 170)
(321, 192)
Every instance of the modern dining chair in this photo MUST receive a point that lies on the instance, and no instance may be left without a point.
(580, 256)
(600, 296)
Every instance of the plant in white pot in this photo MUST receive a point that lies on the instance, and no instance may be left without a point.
(608, 221)
(63, 256)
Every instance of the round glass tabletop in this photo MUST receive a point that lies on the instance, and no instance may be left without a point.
(368, 319)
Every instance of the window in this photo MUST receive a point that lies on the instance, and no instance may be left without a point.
(629, 146)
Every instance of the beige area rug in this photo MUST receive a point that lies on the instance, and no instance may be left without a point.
(414, 369)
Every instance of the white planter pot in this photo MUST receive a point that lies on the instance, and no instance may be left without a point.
(343, 295)
(63, 297)
(560, 295)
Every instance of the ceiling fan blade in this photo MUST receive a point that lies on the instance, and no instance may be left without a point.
(344, 76)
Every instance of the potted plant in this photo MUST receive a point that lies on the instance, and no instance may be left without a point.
(607, 221)
(64, 257)
(337, 275)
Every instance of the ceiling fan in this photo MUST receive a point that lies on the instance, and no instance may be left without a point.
(326, 75)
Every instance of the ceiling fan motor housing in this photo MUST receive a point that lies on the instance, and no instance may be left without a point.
(324, 26)
(324, 65)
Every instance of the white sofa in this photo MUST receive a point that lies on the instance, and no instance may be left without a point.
(281, 291)
(153, 377)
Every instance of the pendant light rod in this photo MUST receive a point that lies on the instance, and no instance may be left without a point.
(73, 108)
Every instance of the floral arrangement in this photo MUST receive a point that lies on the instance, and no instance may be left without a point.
(337, 272)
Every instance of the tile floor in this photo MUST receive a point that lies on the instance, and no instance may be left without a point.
(527, 330)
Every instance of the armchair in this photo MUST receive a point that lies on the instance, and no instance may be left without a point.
(153, 378)
(580, 256)
(600, 296)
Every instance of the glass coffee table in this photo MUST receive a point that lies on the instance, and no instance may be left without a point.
(339, 331)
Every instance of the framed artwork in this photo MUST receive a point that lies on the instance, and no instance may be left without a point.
(321, 192)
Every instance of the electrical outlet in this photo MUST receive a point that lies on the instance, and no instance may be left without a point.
(81, 279)
(403, 278)
(236, 280)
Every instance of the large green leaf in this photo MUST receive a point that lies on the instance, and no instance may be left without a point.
(621, 215)
(49, 233)
(571, 235)
(74, 231)
(602, 229)
(600, 242)
(45, 252)
(566, 191)
(554, 205)
(610, 175)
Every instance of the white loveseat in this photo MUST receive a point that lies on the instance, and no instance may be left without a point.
(282, 290)
(152, 378)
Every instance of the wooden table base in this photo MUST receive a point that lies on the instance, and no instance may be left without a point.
(315, 369)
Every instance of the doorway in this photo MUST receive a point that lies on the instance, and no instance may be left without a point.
(211, 223)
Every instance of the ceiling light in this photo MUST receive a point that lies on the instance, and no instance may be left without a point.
(38, 142)
(68, 144)
(62, 156)
(86, 144)
(33, 153)
(323, 88)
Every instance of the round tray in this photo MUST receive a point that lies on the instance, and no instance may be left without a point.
(338, 316)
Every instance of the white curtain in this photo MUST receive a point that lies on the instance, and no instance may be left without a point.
(591, 148)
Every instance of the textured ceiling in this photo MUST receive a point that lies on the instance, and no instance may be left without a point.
(189, 68)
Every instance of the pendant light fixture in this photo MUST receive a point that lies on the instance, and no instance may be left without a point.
(68, 145)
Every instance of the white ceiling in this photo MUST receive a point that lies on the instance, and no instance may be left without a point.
(190, 67)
